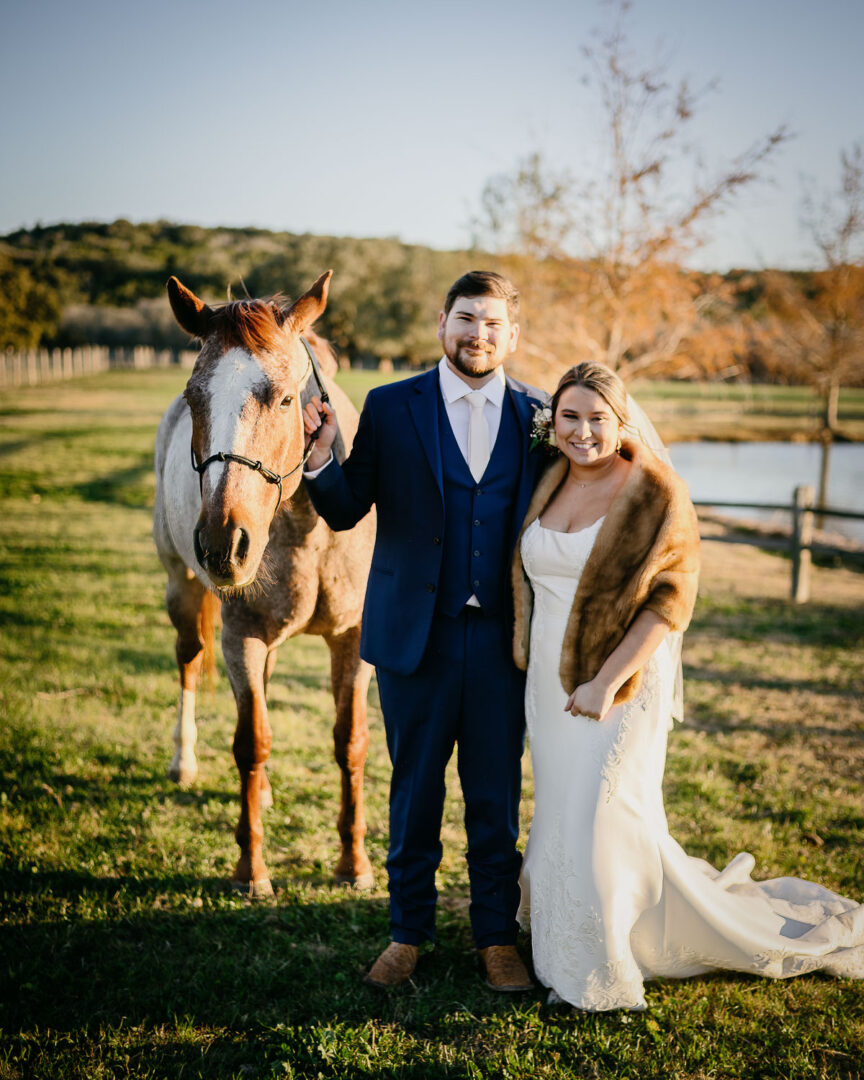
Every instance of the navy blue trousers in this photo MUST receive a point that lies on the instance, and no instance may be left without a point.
(467, 693)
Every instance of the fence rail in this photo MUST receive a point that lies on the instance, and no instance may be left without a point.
(51, 365)
(799, 543)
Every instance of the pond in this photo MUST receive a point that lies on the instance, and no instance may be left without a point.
(770, 472)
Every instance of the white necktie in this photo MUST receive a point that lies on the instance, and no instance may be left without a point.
(478, 435)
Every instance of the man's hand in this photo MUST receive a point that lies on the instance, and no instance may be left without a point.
(312, 422)
(592, 699)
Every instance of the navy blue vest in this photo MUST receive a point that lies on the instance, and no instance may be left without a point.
(478, 518)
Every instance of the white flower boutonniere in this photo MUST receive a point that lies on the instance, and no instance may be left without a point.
(542, 431)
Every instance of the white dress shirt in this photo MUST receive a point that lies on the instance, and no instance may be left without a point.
(454, 389)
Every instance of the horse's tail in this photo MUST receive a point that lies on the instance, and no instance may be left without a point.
(208, 620)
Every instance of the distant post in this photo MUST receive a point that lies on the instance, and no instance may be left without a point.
(802, 538)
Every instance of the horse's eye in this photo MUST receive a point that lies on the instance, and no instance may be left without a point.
(286, 401)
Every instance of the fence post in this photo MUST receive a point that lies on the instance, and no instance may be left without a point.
(802, 538)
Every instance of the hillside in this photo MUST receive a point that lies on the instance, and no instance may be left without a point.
(104, 283)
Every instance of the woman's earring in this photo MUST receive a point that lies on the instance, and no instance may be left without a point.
(618, 446)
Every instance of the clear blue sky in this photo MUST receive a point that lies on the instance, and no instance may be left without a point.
(380, 118)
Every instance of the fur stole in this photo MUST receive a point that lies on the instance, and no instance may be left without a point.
(645, 557)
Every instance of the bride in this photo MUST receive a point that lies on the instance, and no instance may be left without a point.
(605, 578)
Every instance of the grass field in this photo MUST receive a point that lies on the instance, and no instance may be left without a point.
(123, 954)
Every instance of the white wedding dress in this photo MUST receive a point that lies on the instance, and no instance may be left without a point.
(610, 897)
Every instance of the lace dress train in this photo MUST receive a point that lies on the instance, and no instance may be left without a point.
(610, 897)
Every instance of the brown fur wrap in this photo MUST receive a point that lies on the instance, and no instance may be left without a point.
(645, 557)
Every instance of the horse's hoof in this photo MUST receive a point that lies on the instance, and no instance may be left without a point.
(362, 882)
(254, 890)
(185, 776)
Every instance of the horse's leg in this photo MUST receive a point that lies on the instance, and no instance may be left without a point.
(246, 660)
(266, 796)
(350, 676)
(192, 610)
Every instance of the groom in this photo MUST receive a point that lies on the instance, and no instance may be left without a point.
(444, 458)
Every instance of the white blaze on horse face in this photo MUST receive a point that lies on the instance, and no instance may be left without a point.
(236, 376)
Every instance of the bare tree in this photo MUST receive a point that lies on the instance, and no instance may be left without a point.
(814, 325)
(835, 311)
(610, 247)
(815, 321)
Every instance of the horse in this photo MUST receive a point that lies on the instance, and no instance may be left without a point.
(235, 529)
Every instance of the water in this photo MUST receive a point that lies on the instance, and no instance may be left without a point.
(770, 472)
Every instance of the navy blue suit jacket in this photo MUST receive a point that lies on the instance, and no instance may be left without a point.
(395, 463)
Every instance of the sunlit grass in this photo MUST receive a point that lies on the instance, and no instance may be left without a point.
(122, 952)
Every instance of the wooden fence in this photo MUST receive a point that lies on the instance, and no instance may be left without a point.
(799, 543)
(49, 365)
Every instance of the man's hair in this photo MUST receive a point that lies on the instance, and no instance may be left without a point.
(484, 283)
(602, 380)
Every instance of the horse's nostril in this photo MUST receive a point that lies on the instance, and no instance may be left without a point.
(200, 553)
(241, 549)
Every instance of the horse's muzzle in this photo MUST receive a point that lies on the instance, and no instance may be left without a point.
(225, 555)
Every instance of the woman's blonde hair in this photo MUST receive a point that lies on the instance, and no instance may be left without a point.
(602, 380)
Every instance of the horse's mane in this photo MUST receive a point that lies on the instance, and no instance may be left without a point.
(251, 324)
(257, 325)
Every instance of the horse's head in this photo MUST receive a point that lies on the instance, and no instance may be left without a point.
(247, 428)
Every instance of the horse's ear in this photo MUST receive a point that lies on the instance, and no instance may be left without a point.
(303, 312)
(192, 314)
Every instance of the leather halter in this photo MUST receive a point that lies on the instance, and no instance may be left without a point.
(268, 474)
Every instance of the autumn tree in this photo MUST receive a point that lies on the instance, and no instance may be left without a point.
(601, 257)
(821, 315)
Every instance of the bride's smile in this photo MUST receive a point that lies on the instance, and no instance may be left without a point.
(586, 429)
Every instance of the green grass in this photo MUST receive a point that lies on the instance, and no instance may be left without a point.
(122, 952)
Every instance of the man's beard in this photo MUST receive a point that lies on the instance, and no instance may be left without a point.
(475, 367)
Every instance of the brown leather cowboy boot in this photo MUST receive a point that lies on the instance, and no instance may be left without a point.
(394, 966)
(505, 971)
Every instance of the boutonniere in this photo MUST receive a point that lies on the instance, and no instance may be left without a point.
(542, 431)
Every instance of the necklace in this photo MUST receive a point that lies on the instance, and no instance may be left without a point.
(605, 472)
(585, 483)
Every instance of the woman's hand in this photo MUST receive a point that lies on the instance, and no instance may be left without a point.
(312, 422)
(592, 699)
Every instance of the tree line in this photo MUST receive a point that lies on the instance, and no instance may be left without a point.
(104, 284)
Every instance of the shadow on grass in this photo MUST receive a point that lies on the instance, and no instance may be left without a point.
(713, 721)
(767, 620)
(234, 989)
(751, 682)
(41, 439)
(147, 661)
(162, 948)
(130, 488)
(126, 487)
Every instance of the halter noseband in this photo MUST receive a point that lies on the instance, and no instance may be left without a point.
(269, 475)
